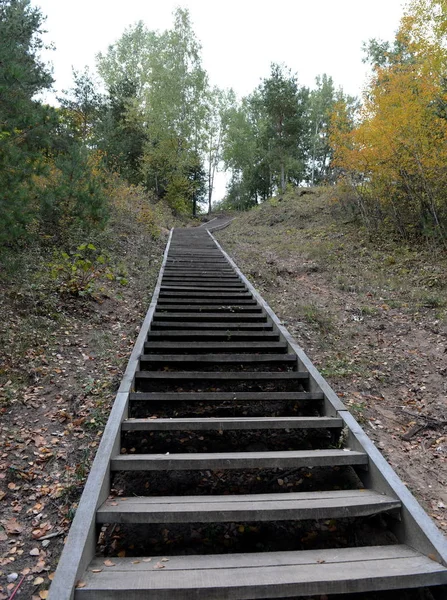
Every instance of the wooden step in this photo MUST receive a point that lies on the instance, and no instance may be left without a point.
(208, 308)
(204, 278)
(223, 376)
(222, 316)
(193, 347)
(230, 423)
(188, 261)
(222, 272)
(222, 296)
(202, 285)
(207, 325)
(251, 507)
(291, 459)
(261, 574)
(215, 336)
(191, 288)
(225, 396)
(215, 359)
(208, 301)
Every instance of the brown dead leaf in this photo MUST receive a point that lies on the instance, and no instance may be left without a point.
(122, 554)
(96, 570)
(13, 527)
(40, 566)
(44, 594)
(80, 584)
(39, 441)
(159, 566)
(38, 581)
(147, 559)
(109, 563)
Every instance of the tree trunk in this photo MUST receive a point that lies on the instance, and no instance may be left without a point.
(283, 178)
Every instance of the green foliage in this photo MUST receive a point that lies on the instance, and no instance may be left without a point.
(81, 106)
(24, 123)
(322, 101)
(279, 135)
(121, 132)
(80, 273)
(157, 87)
(50, 181)
(74, 197)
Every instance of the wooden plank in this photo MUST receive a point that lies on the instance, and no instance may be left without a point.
(259, 507)
(208, 308)
(230, 423)
(223, 296)
(207, 325)
(223, 375)
(201, 279)
(233, 346)
(292, 459)
(262, 575)
(209, 301)
(191, 288)
(200, 271)
(219, 358)
(211, 316)
(223, 396)
(214, 336)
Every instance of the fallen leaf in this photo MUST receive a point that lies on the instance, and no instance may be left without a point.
(122, 554)
(80, 584)
(40, 566)
(13, 527)
(38, 581)
(147, 559)
(109, 563)
(96, 570)
(159, 566)
(44, 594)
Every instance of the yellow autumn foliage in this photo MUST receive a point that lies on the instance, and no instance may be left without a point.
(396, 155)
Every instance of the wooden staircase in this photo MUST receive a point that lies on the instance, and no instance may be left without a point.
(213, 360)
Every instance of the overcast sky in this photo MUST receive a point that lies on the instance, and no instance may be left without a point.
(240, 38)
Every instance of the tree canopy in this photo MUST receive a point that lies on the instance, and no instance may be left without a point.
(396, 153)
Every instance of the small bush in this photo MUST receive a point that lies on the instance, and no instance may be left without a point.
(79, 273)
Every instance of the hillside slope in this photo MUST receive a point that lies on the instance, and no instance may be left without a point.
(372, 317)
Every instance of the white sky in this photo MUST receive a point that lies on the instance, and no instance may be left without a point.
(240, 38)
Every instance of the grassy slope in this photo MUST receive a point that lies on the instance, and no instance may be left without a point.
(370, 314)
